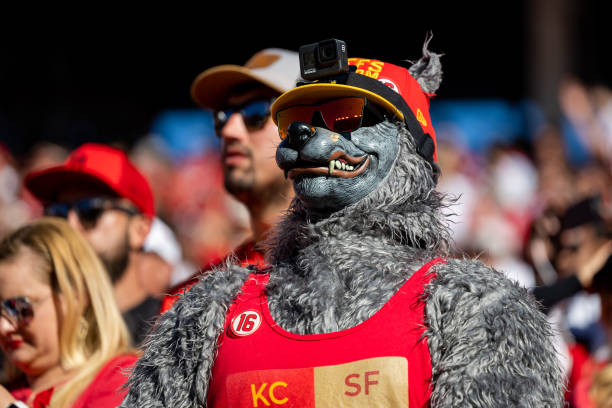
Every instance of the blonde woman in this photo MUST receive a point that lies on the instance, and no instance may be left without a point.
(60, 328)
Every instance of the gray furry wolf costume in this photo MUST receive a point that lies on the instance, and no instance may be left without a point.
(351, 238)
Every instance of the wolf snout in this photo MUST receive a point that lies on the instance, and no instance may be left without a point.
(298, 134)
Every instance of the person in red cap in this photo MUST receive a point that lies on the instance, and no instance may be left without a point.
(240, 97)
(104, 196)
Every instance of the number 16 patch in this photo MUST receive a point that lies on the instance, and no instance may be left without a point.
(245, 323)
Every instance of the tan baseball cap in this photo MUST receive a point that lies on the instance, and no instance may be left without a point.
(275, 68)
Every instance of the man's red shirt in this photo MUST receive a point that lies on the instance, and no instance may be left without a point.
(245, 253)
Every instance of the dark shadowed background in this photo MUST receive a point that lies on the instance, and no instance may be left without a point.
(105, 78)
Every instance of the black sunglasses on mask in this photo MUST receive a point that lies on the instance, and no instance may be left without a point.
(254, 114)
(89, 210)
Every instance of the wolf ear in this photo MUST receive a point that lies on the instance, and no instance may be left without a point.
(428, 70)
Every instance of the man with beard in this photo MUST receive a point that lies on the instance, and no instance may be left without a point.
(240, 97)
(104, 197)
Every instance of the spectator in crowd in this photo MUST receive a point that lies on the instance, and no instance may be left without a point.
(205, 220)
(14, 210)
(65, 342)
(104, 197)
(593, 384)
(240, 97)
(584, 263)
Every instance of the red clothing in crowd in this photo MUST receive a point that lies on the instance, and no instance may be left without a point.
(105, 391)
(385, 358)
(246, 254)
(581, 391)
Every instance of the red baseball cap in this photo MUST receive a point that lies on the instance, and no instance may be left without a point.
(95, 165)
(401, 95)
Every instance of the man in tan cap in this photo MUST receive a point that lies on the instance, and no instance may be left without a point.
(240, 97)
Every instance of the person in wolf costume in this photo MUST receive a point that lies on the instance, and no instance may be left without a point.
(361, 305)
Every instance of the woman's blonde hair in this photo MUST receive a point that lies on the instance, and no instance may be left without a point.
(92, 330)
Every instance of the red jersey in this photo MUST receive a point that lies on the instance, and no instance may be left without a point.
(246, 254)
(382, 362)
(104, 391)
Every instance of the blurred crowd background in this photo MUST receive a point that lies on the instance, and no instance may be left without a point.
(523, 120)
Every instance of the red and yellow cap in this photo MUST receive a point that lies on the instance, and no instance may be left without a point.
(387, 85)
(95, 165)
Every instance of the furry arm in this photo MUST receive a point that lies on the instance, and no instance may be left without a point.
(179, 353)
(490, 346)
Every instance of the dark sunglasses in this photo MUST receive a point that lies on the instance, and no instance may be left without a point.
(89, 210)
(339, 115)
(254, 114)
(19, 310)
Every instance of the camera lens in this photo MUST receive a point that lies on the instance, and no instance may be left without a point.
(309, 59)
(327, 52)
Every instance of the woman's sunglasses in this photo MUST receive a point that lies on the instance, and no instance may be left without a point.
(254, 114)
(89, 210)
(339, 115)
(18, 310)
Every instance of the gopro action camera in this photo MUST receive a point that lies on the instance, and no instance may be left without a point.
(323, 59)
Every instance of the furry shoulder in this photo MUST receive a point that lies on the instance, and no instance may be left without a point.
(487, 333)
(179, 352)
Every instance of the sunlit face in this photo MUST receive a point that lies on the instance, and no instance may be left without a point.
(32, 347)
(108, 237)
(248, 153)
